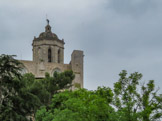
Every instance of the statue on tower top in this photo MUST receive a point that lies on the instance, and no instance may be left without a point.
(47, 21)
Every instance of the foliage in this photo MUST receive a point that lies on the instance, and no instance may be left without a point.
(45, 88)
(131, 104)
(16, 102)
(22, 95)
(129, 101)
(79, 105)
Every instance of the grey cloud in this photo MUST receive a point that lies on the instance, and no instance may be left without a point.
(132, 7)
(114, 34)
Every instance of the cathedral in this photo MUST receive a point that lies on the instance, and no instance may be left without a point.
(48, 56)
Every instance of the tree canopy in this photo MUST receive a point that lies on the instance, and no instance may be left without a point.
(23, 97)
(127, 101)
(16, 102)
(135, 102)
(79, 105)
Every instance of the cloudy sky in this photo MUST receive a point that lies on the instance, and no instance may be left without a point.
(115, 35)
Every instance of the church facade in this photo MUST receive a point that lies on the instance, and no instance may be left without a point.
(48, 56)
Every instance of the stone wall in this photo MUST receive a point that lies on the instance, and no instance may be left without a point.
(39, 69)
(40, 51)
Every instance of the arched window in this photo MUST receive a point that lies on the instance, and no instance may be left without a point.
(55, 70)
(49, 55)
(59, 56)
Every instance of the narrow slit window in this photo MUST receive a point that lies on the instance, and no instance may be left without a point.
(59, 56)
(49, 55)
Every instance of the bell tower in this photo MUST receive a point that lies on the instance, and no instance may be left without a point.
(48, 47)
(48, 56)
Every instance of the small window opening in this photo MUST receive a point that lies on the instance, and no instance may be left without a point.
(59, 56)
(49, 55)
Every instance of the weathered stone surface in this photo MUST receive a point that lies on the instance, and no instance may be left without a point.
(48, 56)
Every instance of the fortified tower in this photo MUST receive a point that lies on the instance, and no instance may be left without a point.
(48, 56)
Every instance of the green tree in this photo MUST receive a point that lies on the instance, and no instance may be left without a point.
(135, 102)
(16, 102)
(59, 81)
(79, 105)
(22, 95)
(129, 101)
(44, 88)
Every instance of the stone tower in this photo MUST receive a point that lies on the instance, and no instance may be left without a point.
(48, 56)
(77, 66)
(48, 47)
